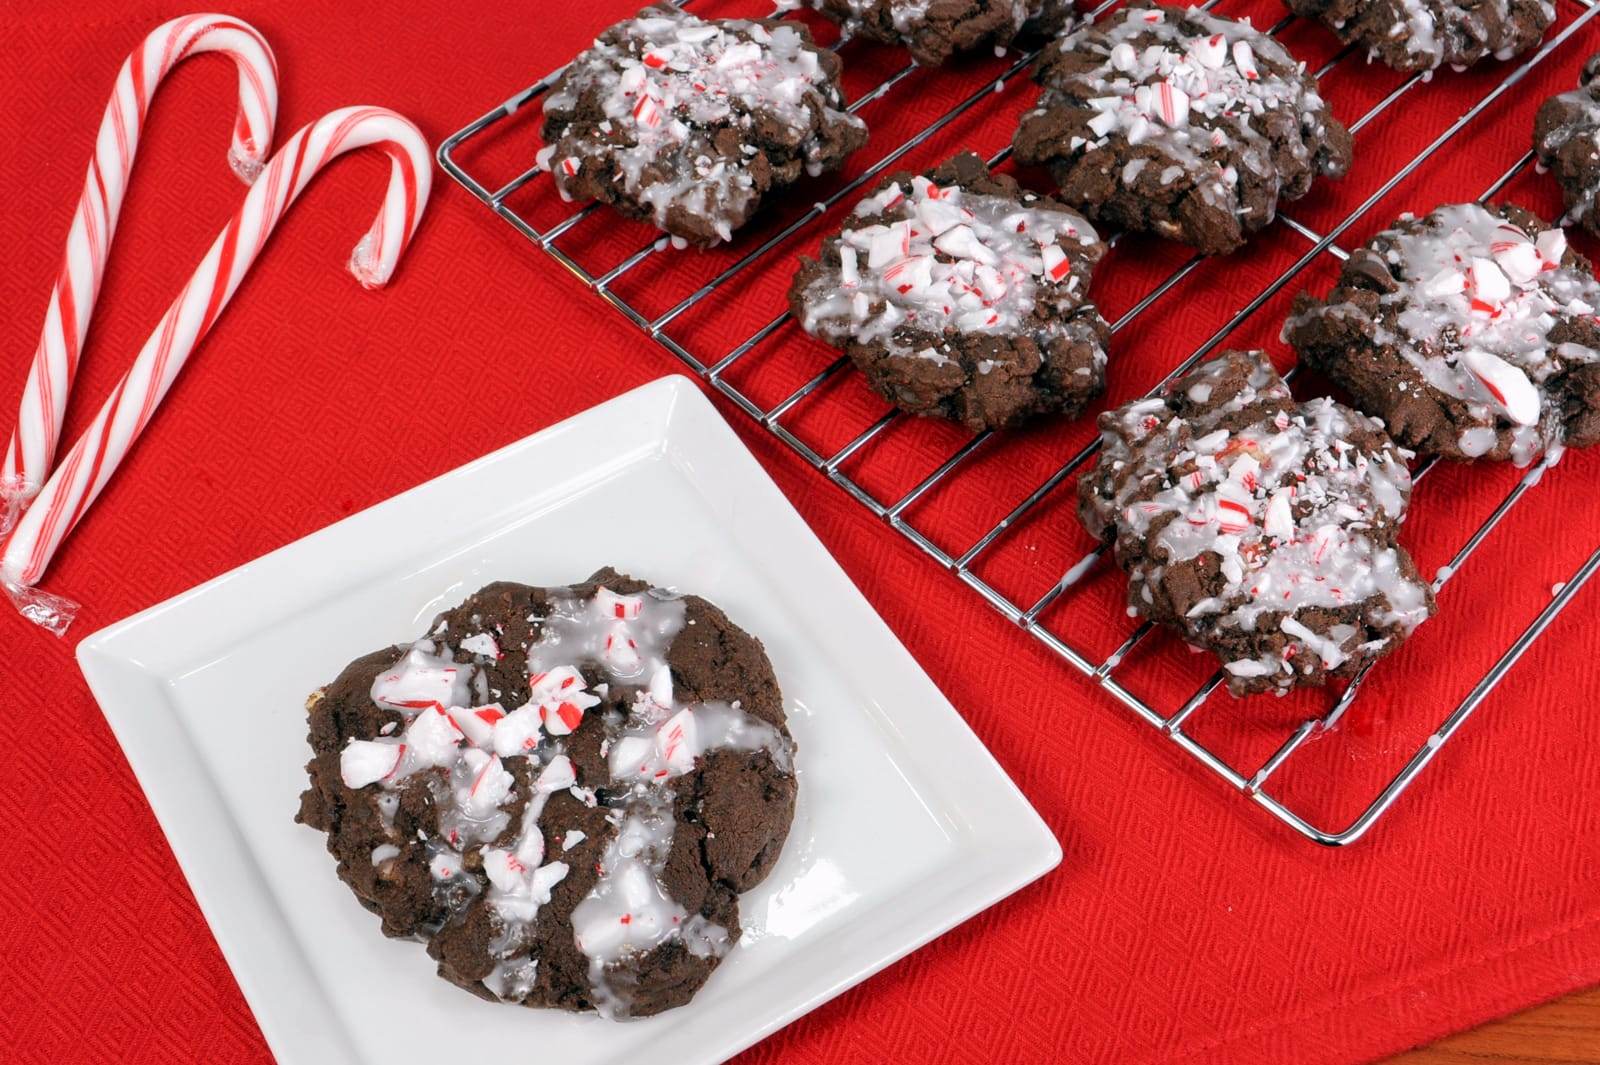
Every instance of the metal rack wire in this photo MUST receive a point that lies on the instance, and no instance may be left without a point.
(1251, 782)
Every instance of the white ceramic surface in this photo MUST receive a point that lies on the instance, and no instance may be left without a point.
(905, 827)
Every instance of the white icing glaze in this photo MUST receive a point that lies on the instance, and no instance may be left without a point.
(1419, 29)
(512, 980)
(1286, 504)
(628, 640)
(1196, 90)
(1477, 300)
(629, 911)
(672, 77)
(950, 261)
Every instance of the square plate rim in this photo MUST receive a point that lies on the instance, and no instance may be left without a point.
(685, 404)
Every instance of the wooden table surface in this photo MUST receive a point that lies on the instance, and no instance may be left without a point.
(1565, 1032)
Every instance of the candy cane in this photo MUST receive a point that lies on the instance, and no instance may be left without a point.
(93, 459)
(55, 361)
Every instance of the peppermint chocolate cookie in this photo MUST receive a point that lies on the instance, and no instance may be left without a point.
(688, 123)
(960, 295)
(1411, 35)
(934, 30)
(1261, 529)
(1470, 332)
(1180, 123)
(1566, 136)
(561, 791)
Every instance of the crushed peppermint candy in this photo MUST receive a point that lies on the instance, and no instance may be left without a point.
(673, 91)
(1246, 520)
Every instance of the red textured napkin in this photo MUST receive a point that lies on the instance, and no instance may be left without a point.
(1182, 926)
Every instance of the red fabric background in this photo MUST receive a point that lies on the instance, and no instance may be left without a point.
(1182, 926)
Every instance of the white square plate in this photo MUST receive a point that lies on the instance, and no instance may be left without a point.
(905, 825)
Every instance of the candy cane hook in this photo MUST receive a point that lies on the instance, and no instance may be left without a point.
(94, 458)
(66, 324)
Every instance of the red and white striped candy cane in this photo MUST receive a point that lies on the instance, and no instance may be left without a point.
(93, 459)
(66, 323)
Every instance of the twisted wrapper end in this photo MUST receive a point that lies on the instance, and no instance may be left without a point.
(51, 612)
(366, 265)
(247, 165)
(11, 500)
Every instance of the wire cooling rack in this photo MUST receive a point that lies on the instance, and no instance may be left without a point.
(1108, 671)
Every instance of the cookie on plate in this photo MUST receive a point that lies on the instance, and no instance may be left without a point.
(561, 791)
(1180, 123)
(1471, 332)
(688, 123)
(1566, 137)
(961, 295)
(1259, 528)
(933, 32)
(1412, 35)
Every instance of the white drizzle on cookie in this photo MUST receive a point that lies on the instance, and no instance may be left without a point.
(668, 84)
(1295, 516)
(628, 910)
(940, 258)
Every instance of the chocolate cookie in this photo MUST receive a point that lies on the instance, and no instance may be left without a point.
(1411, 35)
(1180, 123)
(1259, 528)
(1470, 332)
(687, 123)
(1566, 136)
(934, 30)
(562, 791)
(960, 295)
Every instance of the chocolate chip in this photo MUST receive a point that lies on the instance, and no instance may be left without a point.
(1366, 268)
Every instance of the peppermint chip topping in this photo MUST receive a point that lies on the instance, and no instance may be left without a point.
(670, 88)
(1258, 527)
(929, 259)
